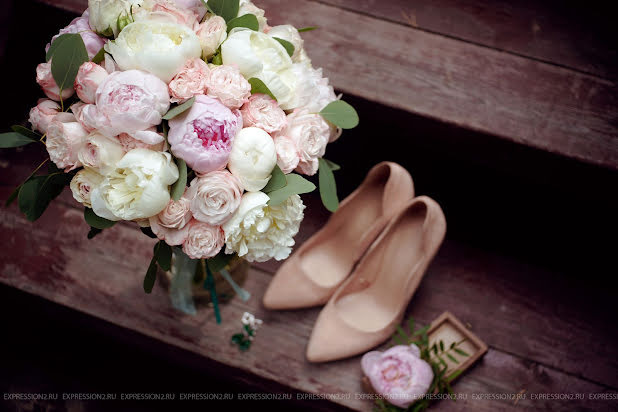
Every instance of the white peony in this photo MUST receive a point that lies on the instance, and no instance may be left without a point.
(247, 7)
(82, 185)
(291, 34)
(105, 14)
(160, 48)
(259, 55)
(138, 188)
(253, 158)
(258, 232)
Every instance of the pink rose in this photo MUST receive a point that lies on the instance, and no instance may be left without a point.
(164, 10)
(65, 137)
(203, 135)
(81, 25)
(189, 81)
(78, 110)
(129, 143)
(89, 78)
(399, 374)
(45, 79)
(263, 112)
(203, 241)
(287, 154)
(171, 224)
(310, 133)
(211, 33)
(128, 102)
(215, 197)
(42, 114)
(228, 85)
(196, 6)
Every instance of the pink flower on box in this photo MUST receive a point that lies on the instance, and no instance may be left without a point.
(398, 374)
(189, 81)
(89, 78)
(203, 135)
(229, 86)
(262, 111)
(42, 114)
(45, 79)
(81, 26)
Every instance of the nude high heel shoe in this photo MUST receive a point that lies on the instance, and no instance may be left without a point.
(313, 273)
(366, 309)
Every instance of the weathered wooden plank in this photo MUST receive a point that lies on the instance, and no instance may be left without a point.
(566, 33)
(102, 278)
(508, 96)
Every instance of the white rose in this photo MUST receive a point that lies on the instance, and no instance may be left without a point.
(82, 185)
(287, 154)
(247, 7)
(160, 48)
(289, 33)
(100, 153)
(105, 14)
(258, 232)
(310, 134)
(214, 197)
(212, 33)
(259, 55)
(138, 188)
(253, 158)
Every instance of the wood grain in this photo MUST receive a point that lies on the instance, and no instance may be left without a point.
(508, 96)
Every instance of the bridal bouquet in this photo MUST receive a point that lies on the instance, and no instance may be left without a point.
(193, 119)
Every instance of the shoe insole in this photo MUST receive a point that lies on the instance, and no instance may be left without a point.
(399, 254)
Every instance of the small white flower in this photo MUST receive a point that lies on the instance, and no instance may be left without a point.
(82, 185)
(105, 14)
(253, 158)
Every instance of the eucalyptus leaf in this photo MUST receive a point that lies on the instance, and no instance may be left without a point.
(304, 29)
(93, 232)
(13, 195)
(24, 131)
(148, 232)
(228, 9)
(258, 87)
(54, 45)
(164, 256)
(289, 47)
(178, 188)
(181, 108)
(296, 185)
(328, 186)
(14, 139)
(67, 59)
(276, 182)
(333, 166)
(96, 221)
(151, 276)
(99, 57)
(341, 114)
(248, 20)
(36, 194)
(217, 59)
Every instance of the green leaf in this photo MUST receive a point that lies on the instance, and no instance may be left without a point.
(219, 262)
(24, 131)
(13, 196)
(67, 58)
(289, 47)
(328, 187)
(14, 139)
(93, 232)
(148, 232)
(228, 9)
(461, 352)
(304, 29)
(333, 166)
(217, 59)
(248, 20)
(151, 276)
(181, 108)
(55, 44)
(96, 221)
(258, 87)
(452, 358)
(99, 57)
(454, 375)
(421, 331)
(178, 188)
(276, 182)
(341, 114)
(164, 256)
(441, 346)
(411, 324)
(36, 194)
(296, 185)
(402, 333)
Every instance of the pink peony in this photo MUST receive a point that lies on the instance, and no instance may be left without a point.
(128, 102)
(42, 114)
(65, 138)
(93, 42)
(203, 135)
(45, 79)
(215, 197)
(189, 81)
(229, 86)
(196, 6)
(78, 110)
(287, 154)
(171, 224)
(203, 241)
(263, 112)
(89, 78)
(129, 143)
(399, 374)
(165, 10)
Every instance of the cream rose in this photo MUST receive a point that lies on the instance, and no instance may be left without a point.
(105, 14)
(263, 112)
(100, 153)
(65, 137)
(189, 81)
(160, 48)
(214, 197)
(82, 185)
(287, 154)
(42, 114)
(228, 85)
(212, 33)
(138, 188)
(203, 241)
(253, 158)
(310, 134)
(171, 224)
(258, 232)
